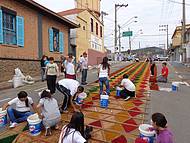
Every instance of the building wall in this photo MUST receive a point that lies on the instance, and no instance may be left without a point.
(30, 50)
(27, 58)
(95, 57)
(176, 41)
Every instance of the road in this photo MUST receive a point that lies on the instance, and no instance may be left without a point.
(33, 90)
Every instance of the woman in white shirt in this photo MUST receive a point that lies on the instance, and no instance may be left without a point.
(52, 71)
(103, 74)
(74, 131)
(129, 88)
(22, 111)
(70, 68)
(49, 111)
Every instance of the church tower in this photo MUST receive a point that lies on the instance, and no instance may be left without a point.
(93, 5)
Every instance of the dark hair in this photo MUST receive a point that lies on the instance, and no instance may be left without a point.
(23, 94)
(164, 63)
(45, 94)
(125, 76)
(159, 119)
(51, 59)
(43, 57)
(80, 88)
(77, 123)
(105, 63)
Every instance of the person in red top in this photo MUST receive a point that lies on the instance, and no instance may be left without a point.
(164, 76)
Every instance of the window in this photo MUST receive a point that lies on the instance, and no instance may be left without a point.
(96, 28)
(84, 28)
(92, 25)
(9, 27)
(100, 31)
(55, 40)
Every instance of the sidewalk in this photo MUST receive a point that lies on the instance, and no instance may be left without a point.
(6, 85)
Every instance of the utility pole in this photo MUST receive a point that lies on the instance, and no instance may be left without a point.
(129, 43)
(165, 28)
(119, 39)
(116, 6)
(102, 15)
(139, 44)
(183, 31)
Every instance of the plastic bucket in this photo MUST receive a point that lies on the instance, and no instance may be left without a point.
(3, 117)
(175, 86)
(79, 100)
(104, 101)
(146, 134)
(118, 90)
(34, 123)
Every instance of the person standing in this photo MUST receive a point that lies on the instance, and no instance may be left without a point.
(52, 71)
(84, 68)
(43, 67)
(103, 74)
(70, 68)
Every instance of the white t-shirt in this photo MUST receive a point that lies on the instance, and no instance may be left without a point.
(128, 84)
(70, 68)
(102, 72)
(84, 62)
(72, 137)
(52, 69)
(50, 109)
(70, 84)
(21, 105)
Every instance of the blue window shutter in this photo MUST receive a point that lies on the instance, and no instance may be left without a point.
(1, 26)
(20, 31)
(50, 40)
(61, 42)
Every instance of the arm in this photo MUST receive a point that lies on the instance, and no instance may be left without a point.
(38, 110)
(71, 102)
(5, 106)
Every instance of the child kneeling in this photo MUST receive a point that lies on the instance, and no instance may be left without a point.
(129, 88)
(49, 111)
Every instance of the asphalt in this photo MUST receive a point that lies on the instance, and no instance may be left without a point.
(174, 105)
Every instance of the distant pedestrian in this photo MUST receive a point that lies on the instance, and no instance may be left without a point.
(129, 88)
(70, 68)
(84, 68)
(43, 67)
(160, 125)
(52, 71)
(153, 69)
(164, 75)
(103, 74)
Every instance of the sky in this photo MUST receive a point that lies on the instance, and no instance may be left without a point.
(150, 14)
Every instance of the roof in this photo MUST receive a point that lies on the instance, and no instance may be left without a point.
(179, 28)
(71, 11)
(45, 11)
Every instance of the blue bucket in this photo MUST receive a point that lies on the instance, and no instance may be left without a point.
(79, 100)
(175, 86)
(34, 124)
(118, 92)
(3, 118)
(104, 101)
(149, 136)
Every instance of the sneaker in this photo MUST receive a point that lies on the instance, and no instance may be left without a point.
(13, 125)
(127, 98)
(48, 131)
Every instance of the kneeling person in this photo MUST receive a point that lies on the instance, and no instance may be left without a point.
(129, 88)
(70, 89)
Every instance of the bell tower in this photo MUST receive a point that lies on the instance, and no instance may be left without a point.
(93, 5)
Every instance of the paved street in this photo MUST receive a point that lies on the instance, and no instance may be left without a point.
(175, 105)
(33, 90)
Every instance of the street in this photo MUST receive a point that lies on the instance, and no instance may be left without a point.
(33, 90)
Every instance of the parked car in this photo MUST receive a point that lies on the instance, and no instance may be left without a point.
(162, 58)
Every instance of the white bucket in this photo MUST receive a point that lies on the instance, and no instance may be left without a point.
(143, 128)
(34, 123)
(175, 86)
(3, 117)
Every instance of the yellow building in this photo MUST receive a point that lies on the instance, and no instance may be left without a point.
(90, 36)
(177, 53)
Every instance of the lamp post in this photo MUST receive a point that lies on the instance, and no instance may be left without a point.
(165, 28)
